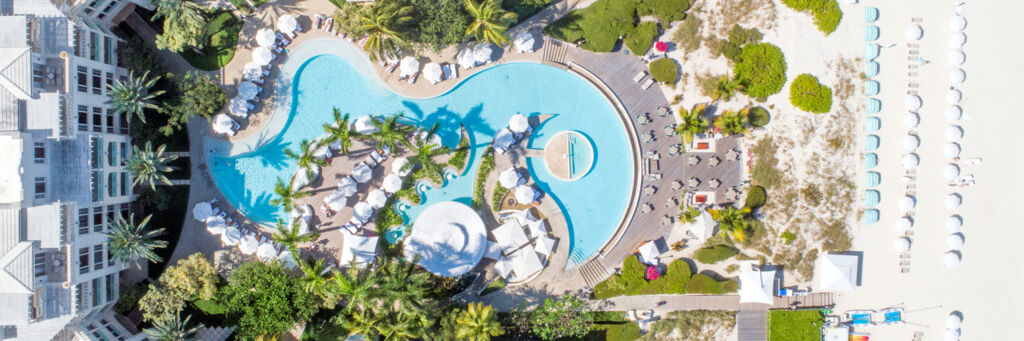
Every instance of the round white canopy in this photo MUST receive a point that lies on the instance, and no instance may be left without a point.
(954, 113)
(951, 259)
(904, 224)
(509, 178)
(902, 244)
(482, 53)
(398, 164)
(912, 102)
(347, 187)
(238, 107)
(956, 40)
(216, 225)
(231, 236)
(252, 71)
(518, 123)
(248, 244)
(202, 211)
(265, 37)
(956, 58)
(408, 67)
(907, 203)
(914, 32)
(952, 334)
(449, 237)
(465, 59)
(910, 161)
(954, 223)
(954, 242)
(954, 321)
(525, 194)
(392, 183)
(953, 96)
(222, 124)
(262, 56)
(432, 72)
(953, 201)
(362, 173)
(362, 211)
(951, 172)
(951, 150)
(957, 76)
(911, 142)
(364, 124)
(376, 198)
(266, 252)
(524, 42)
(287, 23)
(954, 133)
(911, 120)
(957, 23)
(248, 90)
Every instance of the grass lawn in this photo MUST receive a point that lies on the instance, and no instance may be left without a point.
(799, 325)
(678, 279)
(496, 284)
(222, 37)
(612, 326)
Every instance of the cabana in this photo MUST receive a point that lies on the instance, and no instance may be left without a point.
(510, 236)
(357, 250)
(873, 179)
(450, 238)
(702, 228)
(838, 272)
(525, 263)
(871, 33)
(871, 51)
(871, 69)
(874, 105)
(872, 197)
(870, 15)
(872, 87)
(871, 142)
(872, 124)
(649, 251)
(870, 160)
(871, 216)
(756, 284)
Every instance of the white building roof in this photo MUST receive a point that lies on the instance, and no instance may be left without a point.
(756, 286)
(11, 189)
(838, 272)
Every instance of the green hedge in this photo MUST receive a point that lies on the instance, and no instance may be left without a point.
(809, 95)
(499, 192)
(756, 197)
(486, 166)
(664, 70)
(795, 325)
(827, 14)
(761, 70)
(598, 26)
(666, 10)
(676, 280)
(704, 284)
(714, 254)
(758, 117)
(640, 39)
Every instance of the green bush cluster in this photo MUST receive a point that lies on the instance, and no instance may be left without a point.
(664, 70)
(599, 26)
(761, 70)
(666, 10)
(809, 95)
(795, 325)
(704, 284)
(612, 326)
(642, 38)
(220, 42)
(525, 9)
(738, 37)
(632, 281)
(499, 193)
(458, 159)
(714, 254)
(756, 197)
(486, 166)
(758, 117)
(826, 12)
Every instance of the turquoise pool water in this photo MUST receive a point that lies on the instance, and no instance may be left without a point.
(326, 73)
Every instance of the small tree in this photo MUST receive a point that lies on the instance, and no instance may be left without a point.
(194, 276)
(184, 25)
(732, 221)
(199, 95)
(732, 123)
(340, 132)
(173, 329)
(147, 165)
(287, 194)
(262, 300)
(478, 323)
(489, 21)
(561, 318)
(807, 94)
(132, 97)
(132, 242)
(160, 304)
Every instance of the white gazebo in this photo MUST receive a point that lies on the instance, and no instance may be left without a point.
(432, 73)
(649, 252)
(518, 123)
(409, 66)
(524, 42)
(510, 178)
(357, 249)
(838, 272)
(756, 285)
(449, 237)
(362, 173)
(265, 37)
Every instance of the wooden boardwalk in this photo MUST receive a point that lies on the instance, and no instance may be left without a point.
(710, 302)
(752, 325)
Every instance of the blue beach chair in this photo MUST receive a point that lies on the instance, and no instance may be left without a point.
(871, 70)
(872, 124)
(871, 33)
(871, 51)
(871, 88)
(872, 198)
(870, 218)
(874, 105)
(872, 142)
(870, 14)
(870, 160)
(874, 178)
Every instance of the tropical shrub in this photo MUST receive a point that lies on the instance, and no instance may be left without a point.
(566, 317)
(219, 39)
(438, 23)
(741, 36)
(194, 277)
(199, 95)
(160, 304)
(809, 95)
(795, 325)
(826, 12)
(688, 36)
(666, 10)
(486, 166)
(704, 284)
(664, 70)
(630, 281)
(731, 123)
(262, 299)
(756, 197)
(524, 9)
(714, 254)
(640, 39)
(130, 297)
(612, 326)
(761, 70)
(758, 117)
(598, 27)
(789, 237)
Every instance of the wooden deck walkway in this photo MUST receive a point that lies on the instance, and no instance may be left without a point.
(710, 302)
(752, 325)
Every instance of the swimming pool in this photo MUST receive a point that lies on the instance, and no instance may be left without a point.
(329, 73)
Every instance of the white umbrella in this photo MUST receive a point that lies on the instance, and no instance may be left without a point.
(509, 178)
(952, 171)
(262, 56)
(957, 76)
(952, 334)
(503, 139)
(910, 161)
(951, 259)
(364, 124)
(525, 194)
(904, 224)
(913, 102)
(914, 32)
(911, 120)
(544, 244)
(398, 164)
(362, 173)
(954, 133)
(286, 259)
(265, 37)
(465, 59)
(954, 113)
(408, 67)
(954, 223)
(954, 321)
(954, 242)
(957, 23)
(287, 23)
(435, 140)
(518, 123)
(322, 152)
(216, 225)
(248, 90)
(336, 201)
(911, 142)
(202, 211)
(482, 53)
(953, 96)
(376, 198)
(432, 72)
(238, 107)
(956, 58)
(524, 42)
(392, 183)
(907, 203)
(252, 71)
(953, 201)
(901, 244)
(248, 244)
(951, 150)
(231, 236)
(222, 124)
(956, 40)
(347, 187)
(362, 211)
(266, 252)
(304, 212)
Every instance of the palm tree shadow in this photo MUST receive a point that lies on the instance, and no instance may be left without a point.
(474, 121)
(276, 159)
(259, 203)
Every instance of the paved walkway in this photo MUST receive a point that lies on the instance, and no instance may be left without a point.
(752, 325)
(556, 10)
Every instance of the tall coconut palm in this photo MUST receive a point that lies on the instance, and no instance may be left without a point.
(732, 221)
(340, 132)
(286, 196)
(305, 159)
(731, 123)
(173, 329)
(315, 280)
(131, 97)
(424, 153)
(131, 242)
(288, 234)
(356, 286)
(478, 323)
(381, 24)
(693, 123)
(489, 21)
(147, 165)
(390, 132)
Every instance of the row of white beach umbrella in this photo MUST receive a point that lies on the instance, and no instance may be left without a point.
(957, 76)
(231, 235)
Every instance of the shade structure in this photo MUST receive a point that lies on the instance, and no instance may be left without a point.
(347, 186)
(870, 14)
(336, 201)
(238, 107)
(902, 244)
(911, 120)
(408, 67)
(871, 69)
(222, 124)
(265, 37)
(536, 228)
(951, 172)
(957, 76)
(871, 142)
(357, 250)
(649, 252)
(914, 32)
(509, 178)
(953, 113)
(302, 177)
(202, 211)
(873, 105)
(904, 224)
(957, 23)
(449, 237)
(912, 102)
(544, 245)
(525, 194)
(954, 223)
(873, 179)
(954, 241)
(465, 59)
(503, 267)
(249, 244)
(953, 201)
(518, 123)
(757, 285)
(482, 53)
(872, 197)
(287, 23)
(953, 96)
(871, 33)
(262, 56)
(322, 151)
(434, 140)
(524, 42)
(362, 211)
(216, 225)
(231, 236)
(951, 150)
(954, 133)
(392, 183)
(266, 252)
(248, 90)
(952, 335)
(956, 40)
(871, 51)
(956, 58)
(286, 259)
(950, 260)
(364, 124)
(871, 216)
(252, 71)
(525, 263)
(503, 139)
(432, 72)
(839, 272)
(376, 198)
(661, 46)
(911, 142)
(303, 214)
(872, 87)
(906, 204)
(397, 166)
(872, 124)
(870, 160)
(510, 235)
(954, 321)
(362, 173)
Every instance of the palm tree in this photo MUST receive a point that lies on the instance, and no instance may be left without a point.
(356, 286)
(478, 323)
(489, 21)
(147, 165)
(184, 25)
(359, 322)
(731, 123)
(130, 242)
(424, 153)
(173, 329)
(381, 23)
(690, 215)
(725, 88)
(390, 133)
(305, 159)
(693, 123)
(315, 280)
(340, 132)
(288, 234)
(732, 221)
(286, 196)
(131, 96)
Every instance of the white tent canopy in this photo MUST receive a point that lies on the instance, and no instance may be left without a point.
(954, 223)
(649, 252)
(287, 23)
(465, 59)
(248, 244)
(957, 23)
(756, 285)
(432, 73)
(954, 113)
(482, 53)
(503, 267)
(954, 241)
(957, 57)
(392, 183)
(362, 211)
(524, 263)
(364, 124)
(510, 235)
(376, 198)
(954, 133)
(544, 245)
(910, 161)
(703, 227)
(408, 67)
(525, 194)
(951, 172)
(509, 178)
(248, 90)
(518, 123)
(536, 228)
(912, 102)
(907, 203)
(953, 201)
(358, 249)
(839, 272)
(914, 32)
(265, 37)
(524, 217)
(362, 173)
(262, 56)
(951, 259)
(524, 42)
(450, 238)
(222, 124)
(902, 244)
(952, 150)
(202, 211)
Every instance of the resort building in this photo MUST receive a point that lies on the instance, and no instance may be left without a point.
(63, 151)
(102, 14)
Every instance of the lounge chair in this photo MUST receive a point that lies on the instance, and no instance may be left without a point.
(353, 229)
(639, 76)
(647, 84)
(370, 161)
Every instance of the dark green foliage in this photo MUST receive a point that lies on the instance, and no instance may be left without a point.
(170, 216)
(209, 307)
(262, 299)
(138, 57)
(666, 10)
(795, 325)
(242, 6)
(740, 36)
(524, 9)
(758, 117)
(438, 22)
(756, 233)
(129, 298)
(458, 159)
(704, 284)
(220, 42)
(632, 280)
(714, 254)
(612, 326)
(807, 94)
(598, 27)
(199, 95)
(561, 318)
(826, 12)
(499, 193)
(665, 70)
(761, 70)
(730, 51)
(486, 166)
(640, 39)
(756, 197)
